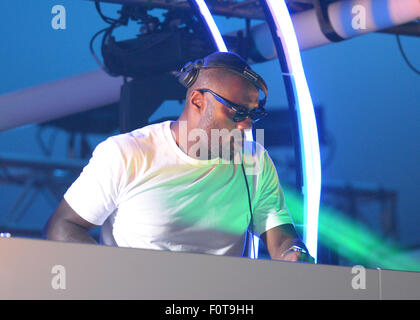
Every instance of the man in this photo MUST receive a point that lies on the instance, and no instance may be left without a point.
(177, 185)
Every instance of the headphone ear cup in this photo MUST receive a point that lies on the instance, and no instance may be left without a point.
(189, 73)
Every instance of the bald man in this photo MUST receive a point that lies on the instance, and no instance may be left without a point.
(181, 185)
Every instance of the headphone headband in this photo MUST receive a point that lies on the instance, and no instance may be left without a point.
(225, 60)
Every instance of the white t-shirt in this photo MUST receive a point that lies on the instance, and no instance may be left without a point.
(147, 193)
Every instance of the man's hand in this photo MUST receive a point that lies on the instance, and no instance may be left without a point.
(283, 243)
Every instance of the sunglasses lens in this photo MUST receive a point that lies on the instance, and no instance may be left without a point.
(240, 116)
(257, 114)
(237, 118)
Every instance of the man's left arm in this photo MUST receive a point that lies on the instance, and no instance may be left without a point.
(283, 243)
(271, 218)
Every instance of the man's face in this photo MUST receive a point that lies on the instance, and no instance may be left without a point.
(225, 136)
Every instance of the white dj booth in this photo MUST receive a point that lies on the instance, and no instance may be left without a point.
(39, 269)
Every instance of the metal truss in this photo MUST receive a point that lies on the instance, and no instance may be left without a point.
(36, 176)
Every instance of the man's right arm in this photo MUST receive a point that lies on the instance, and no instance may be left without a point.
(66, 225)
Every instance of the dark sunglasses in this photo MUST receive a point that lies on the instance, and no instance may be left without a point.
(241, 112)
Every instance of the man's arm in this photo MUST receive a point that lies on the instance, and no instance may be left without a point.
(66, 225)
(280, 239)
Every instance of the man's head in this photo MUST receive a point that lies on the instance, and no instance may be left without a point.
(222, 90)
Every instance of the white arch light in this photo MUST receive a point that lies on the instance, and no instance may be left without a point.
(308, 134)
(211, 25)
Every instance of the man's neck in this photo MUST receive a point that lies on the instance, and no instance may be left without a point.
(174, 126)
(180, 131)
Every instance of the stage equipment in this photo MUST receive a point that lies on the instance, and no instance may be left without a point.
(66, 96)
(89, 272)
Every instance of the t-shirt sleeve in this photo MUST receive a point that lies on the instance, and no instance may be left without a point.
(94, 194)
(270, 208)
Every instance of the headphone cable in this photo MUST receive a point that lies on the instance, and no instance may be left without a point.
(250, 208)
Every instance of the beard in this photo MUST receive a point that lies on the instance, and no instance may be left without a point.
(230, 146)
(223, 143)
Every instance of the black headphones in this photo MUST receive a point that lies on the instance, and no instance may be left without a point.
(226, 60)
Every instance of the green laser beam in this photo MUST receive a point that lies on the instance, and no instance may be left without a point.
(350, 239)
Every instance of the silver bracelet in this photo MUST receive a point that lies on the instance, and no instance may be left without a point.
(295, 249)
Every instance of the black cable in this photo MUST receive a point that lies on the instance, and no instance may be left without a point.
(91, 47)
(250, 209)
(405, 57)
(122, 20)
(105, 18)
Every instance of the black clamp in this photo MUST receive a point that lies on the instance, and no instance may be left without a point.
(321, 9)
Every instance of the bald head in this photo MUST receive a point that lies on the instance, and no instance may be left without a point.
(226, 83)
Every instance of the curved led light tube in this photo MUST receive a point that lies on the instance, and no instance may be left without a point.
(280, 22)
(201, 8)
